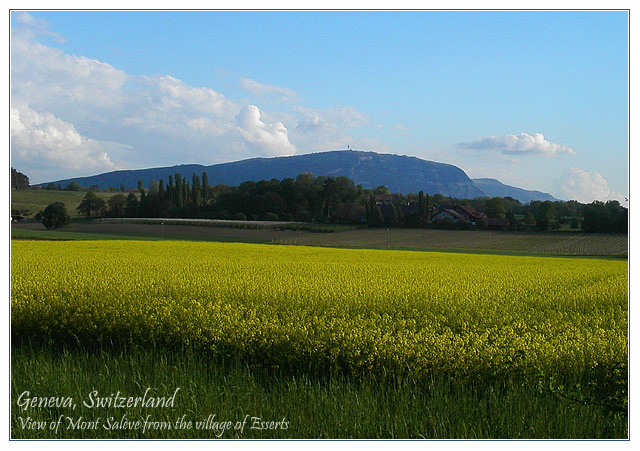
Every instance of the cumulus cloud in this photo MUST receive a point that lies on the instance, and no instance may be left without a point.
(76, 112)
(168, 105)
(585, 187)
(179, 95)
(520, 144)
(274, 138)
(51, 80)
(43, 140)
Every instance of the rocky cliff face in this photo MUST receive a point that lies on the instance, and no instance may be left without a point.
(400, 174)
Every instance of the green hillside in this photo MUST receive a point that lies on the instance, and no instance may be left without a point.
(30, 201)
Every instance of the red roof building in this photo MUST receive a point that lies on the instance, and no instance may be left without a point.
(469, 213)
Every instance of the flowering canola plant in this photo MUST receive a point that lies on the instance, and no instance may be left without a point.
(354, 311)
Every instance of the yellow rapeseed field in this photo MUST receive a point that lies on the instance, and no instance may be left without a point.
(319, 308)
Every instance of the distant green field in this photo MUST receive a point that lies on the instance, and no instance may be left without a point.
(35, 200)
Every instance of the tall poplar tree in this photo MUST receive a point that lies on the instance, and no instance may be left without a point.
(205, 188)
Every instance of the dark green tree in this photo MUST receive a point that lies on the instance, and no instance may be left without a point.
(196, 191)
(529, 218)
(308, 199)
(91, 204)
(145, 206)
(347, 212)
(373, 213)
(381, 190)
(154, 187)
(575, 223)
(422, 207)
(73, 186)
(19, 180)
(609, 217)
(494, 208)
(55, 216)
(443, 201)
(392, 219)
(186, 192)
(594, 217)
(615, 220)
(513, 222)
(131, 207)
(117, 205)
(482, 224)
(178, 192)
(545, 218)
(205, 188)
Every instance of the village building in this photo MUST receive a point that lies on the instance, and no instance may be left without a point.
(447, 213)
(383, 199)
(469, 213)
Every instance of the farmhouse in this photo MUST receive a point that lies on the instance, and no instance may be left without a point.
(449, 214)
(469, 213)
(465, 214)
(383, 199)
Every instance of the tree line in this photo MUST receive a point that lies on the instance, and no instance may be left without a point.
(337, 200)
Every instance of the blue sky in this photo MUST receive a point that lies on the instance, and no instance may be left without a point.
(536, 99)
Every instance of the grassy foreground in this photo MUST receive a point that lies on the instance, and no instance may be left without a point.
(235, 402)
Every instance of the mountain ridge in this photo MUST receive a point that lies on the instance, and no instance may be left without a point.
(495, 188)
(399, 173)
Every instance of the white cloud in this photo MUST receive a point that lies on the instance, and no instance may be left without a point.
(585, 187)
(263, 90)
(167, 105)
(70, 110)
(181, 96)
(327, 129)
(273, 138)
(43, 141)
(520, 144)
(32, 27)
(48, 79)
